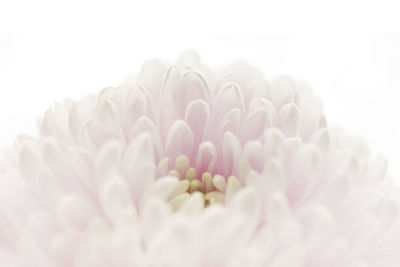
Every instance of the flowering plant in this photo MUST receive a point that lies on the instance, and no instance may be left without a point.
(183, 165)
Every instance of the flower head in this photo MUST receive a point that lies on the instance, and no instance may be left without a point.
(183, 165)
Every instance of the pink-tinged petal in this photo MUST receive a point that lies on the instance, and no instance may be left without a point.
(259, 89)
(318, 225)
(107, 162)
(229, 97)
(161, 189)
(145, 125)
(274, 143)
(231, 151)
(115, 198)
(56, 161)
(29, 162)
(278, 210)
(322, 139)
(258, 103)
(254, 125)
(247, 202)
(206, 157)
(273, 178)
(42, 225)
(230, 122)
(83, 164)
(335, 192)
(74, 121)
(96, 134)
(139, 166)
(289, 117)
(179, 141)
(108, 116)
(136, 108)
(254, 153)
(191, 85)
(197, 116)
(74, 212)
(193, 206)
(304, 178)
(152, 220)
(151, 76)
(16, 201)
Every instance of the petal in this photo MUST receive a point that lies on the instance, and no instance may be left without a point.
(29, 162)
(192, 85)
(139, 166)
(83, 164)
(254, 125)
(115, 197)
(196, 116)
(289, 116)
(247, 202)
(254, 153)
(75, 212)
(107, 115)
(151, 76)
(231, 152)
(179, 141)
(229, 97)
(258, 102)
(206, 157)
(274, 178)
(230, 122)
(321, 139)
(274, 143)
(146, 125)
(107, 161)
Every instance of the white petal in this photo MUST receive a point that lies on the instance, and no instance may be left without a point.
(231, 152)
(107, 161)
(247, 202)
(274, 142)
(75, 212)
(192, 85)
(29, 162)
(179, 140)
(138, 164)
(289, 116)
(83, 164)
(146, 125)
(273, 177)
(254, 153)
(115, 197)
(255, 124)
(206, 157)
(322, 139)
(162, 189)
(196, 116)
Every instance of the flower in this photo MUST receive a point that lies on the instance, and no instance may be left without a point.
(183, 165)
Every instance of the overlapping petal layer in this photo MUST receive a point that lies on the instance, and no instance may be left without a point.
(183, 165)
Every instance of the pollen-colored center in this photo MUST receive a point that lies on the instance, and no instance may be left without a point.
(213, 188)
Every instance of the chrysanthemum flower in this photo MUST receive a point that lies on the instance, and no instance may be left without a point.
(183, 165)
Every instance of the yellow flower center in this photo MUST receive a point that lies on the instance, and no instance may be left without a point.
(213, 188)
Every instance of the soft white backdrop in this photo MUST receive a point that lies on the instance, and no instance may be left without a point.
(349, 53)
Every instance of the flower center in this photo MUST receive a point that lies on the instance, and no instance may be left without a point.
(213, 188)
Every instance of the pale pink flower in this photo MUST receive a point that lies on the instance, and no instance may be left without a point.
(183, 165)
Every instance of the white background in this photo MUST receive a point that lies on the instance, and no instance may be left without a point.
(349, 52)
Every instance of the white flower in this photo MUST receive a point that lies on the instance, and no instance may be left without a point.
(183, 165)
